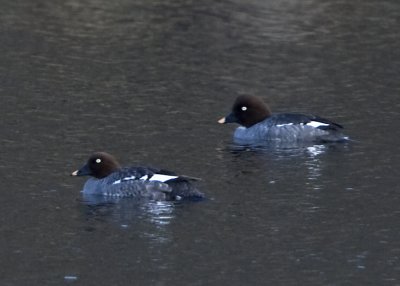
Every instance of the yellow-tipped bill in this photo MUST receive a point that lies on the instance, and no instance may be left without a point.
(222, 120)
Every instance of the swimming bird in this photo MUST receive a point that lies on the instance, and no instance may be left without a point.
(108, 178)
(258, 124)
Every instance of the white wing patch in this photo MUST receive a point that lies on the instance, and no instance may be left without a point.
(162, 178)
(124, 179)
(285, 124)
(129, 178)
(144, 177)
(316, 124)
(155, 177)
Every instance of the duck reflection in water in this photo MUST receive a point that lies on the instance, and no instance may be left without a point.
(149, 219)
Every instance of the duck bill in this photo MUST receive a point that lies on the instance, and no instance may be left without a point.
(84, 171)
(231, 118)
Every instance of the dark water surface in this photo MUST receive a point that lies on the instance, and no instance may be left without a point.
(147, 81)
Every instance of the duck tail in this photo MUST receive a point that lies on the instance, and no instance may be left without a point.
(183, 189)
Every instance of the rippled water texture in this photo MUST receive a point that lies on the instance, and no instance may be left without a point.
(147, 81)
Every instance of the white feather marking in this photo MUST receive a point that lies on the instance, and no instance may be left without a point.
(316, 124)
(162, 178)
(144, 177)
(129, 178)
(124, 179)
(281, 125)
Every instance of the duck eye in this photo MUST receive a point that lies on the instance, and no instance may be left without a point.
(244, 108)
(98, 161)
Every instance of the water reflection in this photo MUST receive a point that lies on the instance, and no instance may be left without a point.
(279, 161)
(128, 213)
(313, 165)
(285, 148)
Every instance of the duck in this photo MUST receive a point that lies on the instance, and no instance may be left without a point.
(259, 125)
(108, 178)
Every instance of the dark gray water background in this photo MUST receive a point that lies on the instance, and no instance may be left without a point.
(147, 81)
